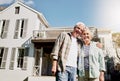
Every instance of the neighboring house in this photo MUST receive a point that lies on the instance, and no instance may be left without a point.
(26, 41)
(105, 36)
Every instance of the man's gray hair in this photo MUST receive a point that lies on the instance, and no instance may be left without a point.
(80, 23)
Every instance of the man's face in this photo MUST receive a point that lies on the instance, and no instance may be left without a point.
(78, 30)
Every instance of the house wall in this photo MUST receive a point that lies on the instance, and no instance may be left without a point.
(18, 74)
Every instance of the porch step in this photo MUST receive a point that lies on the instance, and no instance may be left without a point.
(40, 78)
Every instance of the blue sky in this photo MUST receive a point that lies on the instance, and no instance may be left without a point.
(61, 13)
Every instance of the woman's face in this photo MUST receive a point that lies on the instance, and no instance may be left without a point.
(86, 36)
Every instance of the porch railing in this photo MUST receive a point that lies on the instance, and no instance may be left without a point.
(36, 70)
(48, 33)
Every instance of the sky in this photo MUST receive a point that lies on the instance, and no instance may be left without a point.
(66, 13)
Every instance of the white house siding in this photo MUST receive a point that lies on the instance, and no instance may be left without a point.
(44, 78)
(18, 74)
(108, 44)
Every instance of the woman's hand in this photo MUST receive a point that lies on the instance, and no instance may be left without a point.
(101, 78)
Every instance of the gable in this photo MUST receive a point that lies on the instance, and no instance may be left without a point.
(23, 10)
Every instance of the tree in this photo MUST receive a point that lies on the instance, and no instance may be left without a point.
(116, 39)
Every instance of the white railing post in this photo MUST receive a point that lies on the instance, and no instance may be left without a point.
(41, 53)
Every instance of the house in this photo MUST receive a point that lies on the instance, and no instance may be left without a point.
(17, 23)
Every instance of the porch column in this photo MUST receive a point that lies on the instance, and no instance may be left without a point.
(41, 53)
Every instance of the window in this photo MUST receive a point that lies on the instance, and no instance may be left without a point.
(23, 28)
(3, 57)
(102, 40)
(12, 59)
(17, 10)
(41, 26)
(20, 28)
(4, 28)
(22, 58)
(42, 32)
(17, 29)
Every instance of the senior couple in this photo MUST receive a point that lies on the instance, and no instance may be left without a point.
(74, 52)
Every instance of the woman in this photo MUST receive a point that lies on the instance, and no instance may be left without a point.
(91, 65)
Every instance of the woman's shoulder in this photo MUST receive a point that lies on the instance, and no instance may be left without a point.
(95, 45)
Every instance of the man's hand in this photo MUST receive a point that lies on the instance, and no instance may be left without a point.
(99, 45)
(54, 68)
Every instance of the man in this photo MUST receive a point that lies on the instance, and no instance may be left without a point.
(65, 53)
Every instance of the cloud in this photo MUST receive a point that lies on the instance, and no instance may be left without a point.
(28, 2)
(108, 14)
(6, 1)
(115, 28)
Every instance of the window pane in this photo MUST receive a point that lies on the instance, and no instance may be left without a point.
(1, 55)
(24, 28)
(17, 10)
(12, 58)
(4, 52)
(4, 28)
(17, 29)
(25, 63)
(3, 64)
(20, 58)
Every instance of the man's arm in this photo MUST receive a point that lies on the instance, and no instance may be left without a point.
(55, 52)
(54, 67)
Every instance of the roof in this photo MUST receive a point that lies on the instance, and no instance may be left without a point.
(40, 15)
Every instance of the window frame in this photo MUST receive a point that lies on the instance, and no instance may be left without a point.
(17, 9)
